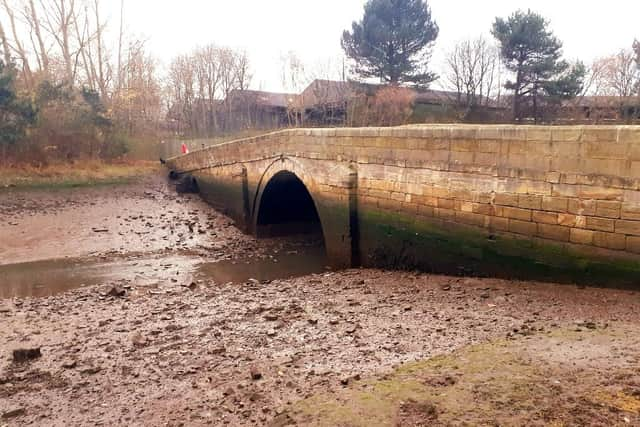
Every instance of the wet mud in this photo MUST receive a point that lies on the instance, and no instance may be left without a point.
(187, 321)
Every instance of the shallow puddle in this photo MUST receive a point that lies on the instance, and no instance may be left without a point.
(46, 278)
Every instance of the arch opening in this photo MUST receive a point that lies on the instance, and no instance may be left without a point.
(287, 208)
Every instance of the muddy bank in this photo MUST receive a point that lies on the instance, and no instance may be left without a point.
(183, 320)
(242, 354)
(110, 221)
(56, 241)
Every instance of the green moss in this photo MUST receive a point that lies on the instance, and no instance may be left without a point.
(497, 383)
(390, 239)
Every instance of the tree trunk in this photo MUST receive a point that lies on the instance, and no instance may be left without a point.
(5, 46)
(517, 96)
(44, 57)
(18, 46)
(66, 48)
(102, 84)
(119, 82)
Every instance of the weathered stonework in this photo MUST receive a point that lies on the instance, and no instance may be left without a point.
(556, 195)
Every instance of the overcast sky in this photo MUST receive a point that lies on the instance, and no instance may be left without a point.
(267, 29)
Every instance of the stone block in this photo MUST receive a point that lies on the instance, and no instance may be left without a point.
(470, 218)
(608, 209)
(582, 237)
(604, 167)
(483, 208)
(516, 213)
(498, 224)
(464, 157)
(464, 145)
(555, 204)
(600, 224)
(566, 134)
(634, 148)
(633, 244)
(446, 203)
(545, 217)
(568, 220)
(446, 214)
(628, 227)
(607, 135)
(610, 240)
(582, 207)
(566, 164)
(486, 159)
(554, 232)
(463, 132)
(553, 177)
(630, 211)
(513, 133)
(566, 149)
(426, 210)
(565, 190)
(523, 227)
(529, 201)
(600, 150)
(505, 199)
(628, 134)
(494, 147)
(539, 133)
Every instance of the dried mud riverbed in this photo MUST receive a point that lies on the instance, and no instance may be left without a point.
(356, 347)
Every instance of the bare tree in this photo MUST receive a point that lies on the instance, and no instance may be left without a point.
(616, 75)
(181, 83)
(31, 16)
(101, 71)
(242, 70)
(60, 20)
(636, 48)
(18, 47)
(209, 76)
(294, 80)
(137, 109)
(473, 66)
(120, 39)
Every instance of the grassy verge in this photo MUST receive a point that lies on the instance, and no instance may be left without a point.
(74, 175)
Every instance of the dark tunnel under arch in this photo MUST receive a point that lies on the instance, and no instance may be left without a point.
(287, 208)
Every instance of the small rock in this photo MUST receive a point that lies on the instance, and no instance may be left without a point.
(117, 292)
(446, 288)
(23, 355)
(351, 328)
(138, 340)
(13, 412)
(69, 364)
(255, 373)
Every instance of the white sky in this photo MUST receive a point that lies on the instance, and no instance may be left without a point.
(267, 29)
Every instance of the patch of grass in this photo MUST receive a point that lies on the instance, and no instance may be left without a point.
(82, 174)
(497, 383)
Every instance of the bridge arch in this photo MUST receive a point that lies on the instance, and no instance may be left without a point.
(286, 207)
(289, 199)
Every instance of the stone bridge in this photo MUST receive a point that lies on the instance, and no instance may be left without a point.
(530, 201)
